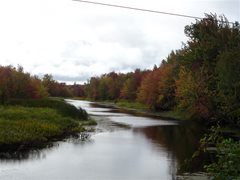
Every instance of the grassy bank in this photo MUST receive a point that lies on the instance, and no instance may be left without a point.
(173, 115)
(132, 105)
(35, 122)
(144, 109)
(58, 104)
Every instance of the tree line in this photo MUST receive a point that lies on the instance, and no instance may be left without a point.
(201, 79)
(17, 84)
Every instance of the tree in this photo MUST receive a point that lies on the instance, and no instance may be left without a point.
(114, 86)
(149, 91)
(5, 86)
(208, 39)
(228, 85)
(167, 84)
(131, 85)
(103, 88)
(92, 88)
(37, 88)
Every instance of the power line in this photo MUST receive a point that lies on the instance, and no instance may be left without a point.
(139, 9)
(149, 10)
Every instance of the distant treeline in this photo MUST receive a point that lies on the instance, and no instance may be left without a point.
(17, 84)
(201, 79)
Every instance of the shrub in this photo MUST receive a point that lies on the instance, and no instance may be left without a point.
(227, 166)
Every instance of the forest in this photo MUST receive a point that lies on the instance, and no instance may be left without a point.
(202, 79)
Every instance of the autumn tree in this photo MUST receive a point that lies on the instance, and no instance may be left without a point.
(55, 88)
(167, 84)
(77, 90)
(16, 84)
(114, 86)
(149, 91)
(5, 85)
(37, 88)
(131, 85)
(208, 38)
(92, 88)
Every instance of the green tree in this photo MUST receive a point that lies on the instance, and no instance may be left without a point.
(103, 88)
(167, 84)
(228, 85)
(208, 39)
(131, 85)
(92, 88)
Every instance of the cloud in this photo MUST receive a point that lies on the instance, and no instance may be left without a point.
(74, 41)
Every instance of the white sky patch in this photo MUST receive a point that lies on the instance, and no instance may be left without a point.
(74, 41)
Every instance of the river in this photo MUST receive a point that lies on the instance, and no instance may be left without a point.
(125, 146)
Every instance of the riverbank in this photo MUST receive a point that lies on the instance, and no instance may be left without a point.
(141, 109)
(34, 123)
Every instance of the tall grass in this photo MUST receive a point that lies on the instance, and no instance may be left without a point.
(34, 122)
(25, 125)
(59, 104)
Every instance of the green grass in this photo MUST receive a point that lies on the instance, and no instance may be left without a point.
(145, 109)
(132, 105)
(25, 125)
(142, 108)
(173, 115)
(56, 103)
(34, 122)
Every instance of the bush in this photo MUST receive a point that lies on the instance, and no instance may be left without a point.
(227, 166)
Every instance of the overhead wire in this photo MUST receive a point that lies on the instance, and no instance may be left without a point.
(144, 10)
(138, 9)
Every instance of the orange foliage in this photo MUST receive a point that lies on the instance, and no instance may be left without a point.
(149, 89)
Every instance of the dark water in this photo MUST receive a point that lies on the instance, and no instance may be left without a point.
(123, 147)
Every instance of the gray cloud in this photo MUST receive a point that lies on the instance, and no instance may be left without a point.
(68, 79)
(74, 41)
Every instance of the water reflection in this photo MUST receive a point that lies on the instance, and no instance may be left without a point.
(135, 122)
(181, 140)
(25, 155)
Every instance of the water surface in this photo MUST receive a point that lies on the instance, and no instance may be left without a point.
(124, 147)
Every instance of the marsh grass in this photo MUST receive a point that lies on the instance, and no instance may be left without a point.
(34, 122)
(59, 104)
(132, 105)
(31, 125)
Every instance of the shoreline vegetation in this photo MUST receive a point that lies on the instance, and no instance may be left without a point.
(26, 124)
(142, 109)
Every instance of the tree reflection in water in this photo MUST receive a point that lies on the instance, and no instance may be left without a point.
(180, 141)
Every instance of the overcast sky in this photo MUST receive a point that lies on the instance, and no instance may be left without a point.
(74, 41)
